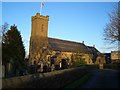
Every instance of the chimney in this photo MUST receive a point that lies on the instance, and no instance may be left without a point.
(94, 46)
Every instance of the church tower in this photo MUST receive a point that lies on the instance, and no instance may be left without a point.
(39, 37)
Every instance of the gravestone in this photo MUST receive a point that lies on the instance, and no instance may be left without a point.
(101, 66)
(3, 71)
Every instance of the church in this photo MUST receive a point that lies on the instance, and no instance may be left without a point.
(55, 51)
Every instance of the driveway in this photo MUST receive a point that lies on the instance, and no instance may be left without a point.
(106, 78)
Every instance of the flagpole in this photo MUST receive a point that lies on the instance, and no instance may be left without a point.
(41, 9)
(42, 4)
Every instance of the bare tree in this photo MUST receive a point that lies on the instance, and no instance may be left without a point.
(4, 28)
(112, 29)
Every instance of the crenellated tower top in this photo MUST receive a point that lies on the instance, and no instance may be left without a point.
(40, 17)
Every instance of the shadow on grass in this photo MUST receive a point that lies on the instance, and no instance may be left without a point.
(78, 82)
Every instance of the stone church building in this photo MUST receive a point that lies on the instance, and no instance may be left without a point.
(53, 51)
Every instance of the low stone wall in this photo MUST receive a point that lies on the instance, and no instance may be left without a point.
(113, 66)
(55, 79)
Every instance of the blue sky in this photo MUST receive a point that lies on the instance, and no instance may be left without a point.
(74, 21)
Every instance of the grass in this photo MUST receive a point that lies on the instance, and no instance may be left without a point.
(78, 82)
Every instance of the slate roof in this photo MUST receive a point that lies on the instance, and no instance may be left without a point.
(68, 46)
(93, 50)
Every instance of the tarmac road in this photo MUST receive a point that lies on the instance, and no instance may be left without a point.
(106, 78)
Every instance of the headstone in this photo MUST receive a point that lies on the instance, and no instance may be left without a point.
(41, 68)
(101, 66)
(3, 71)
(52, 67)
(60, 64)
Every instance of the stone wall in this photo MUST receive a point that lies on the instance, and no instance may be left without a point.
(55, 79)
(113, 66)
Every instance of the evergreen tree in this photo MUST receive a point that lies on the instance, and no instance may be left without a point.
(5, 55)
(13, 48)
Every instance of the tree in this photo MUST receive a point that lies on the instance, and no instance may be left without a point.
(4, 28)
(13, 48)
(112, 29)
(5, 55)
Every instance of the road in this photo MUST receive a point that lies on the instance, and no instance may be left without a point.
(106, 78)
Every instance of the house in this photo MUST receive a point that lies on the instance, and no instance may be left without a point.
(115, 56)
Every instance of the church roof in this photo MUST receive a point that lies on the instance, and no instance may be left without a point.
(93, 50)
(68, 46)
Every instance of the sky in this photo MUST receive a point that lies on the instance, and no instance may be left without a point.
(74, 21)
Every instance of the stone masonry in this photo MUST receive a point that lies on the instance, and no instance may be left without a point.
(39, 36)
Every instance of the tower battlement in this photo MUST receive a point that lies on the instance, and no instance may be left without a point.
(40, 17)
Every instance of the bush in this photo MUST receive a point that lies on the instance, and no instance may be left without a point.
(78, 63)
